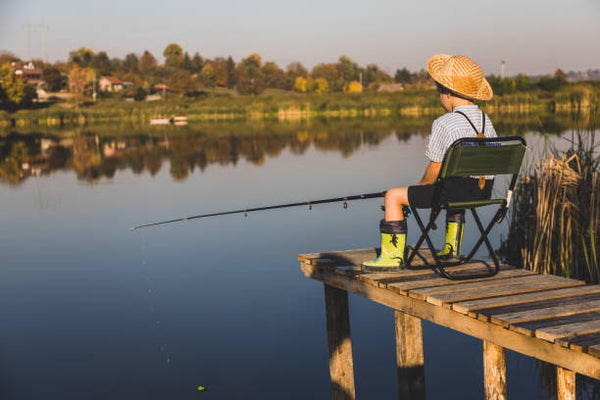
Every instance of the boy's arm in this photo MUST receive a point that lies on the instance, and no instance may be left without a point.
(431, 173)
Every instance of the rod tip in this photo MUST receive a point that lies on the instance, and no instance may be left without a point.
(133, 228)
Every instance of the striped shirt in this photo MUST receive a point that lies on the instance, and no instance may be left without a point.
(452, 126)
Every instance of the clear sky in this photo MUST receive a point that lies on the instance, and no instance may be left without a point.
(533, 36)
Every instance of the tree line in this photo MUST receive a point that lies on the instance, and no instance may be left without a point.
(187, 75)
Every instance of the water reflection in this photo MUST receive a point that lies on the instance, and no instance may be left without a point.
(92, 155)
(158, 312)
(101, 151)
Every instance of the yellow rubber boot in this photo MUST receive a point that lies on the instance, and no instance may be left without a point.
(455, 227)
(393, 243)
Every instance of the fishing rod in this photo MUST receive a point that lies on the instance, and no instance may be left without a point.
(345, 199)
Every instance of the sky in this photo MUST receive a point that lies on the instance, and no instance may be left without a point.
(532, 36)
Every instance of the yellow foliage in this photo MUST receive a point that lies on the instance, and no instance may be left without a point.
(353, 87)
(322, 85)
(301, 84)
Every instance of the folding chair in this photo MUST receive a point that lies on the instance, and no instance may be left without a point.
(469, 157)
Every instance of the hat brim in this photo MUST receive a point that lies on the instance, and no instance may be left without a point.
(434, 67)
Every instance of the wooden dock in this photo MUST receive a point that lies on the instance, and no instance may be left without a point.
(550, 318)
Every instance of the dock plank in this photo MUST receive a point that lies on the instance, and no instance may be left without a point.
(542, 284)
(569, 330)
(435, 281)
(486, 314)
(594, 350)
(465, 307)
(423, 275)
(471, 285)
(560, 310)
(580, 343)
(531, 328)
(343, 257)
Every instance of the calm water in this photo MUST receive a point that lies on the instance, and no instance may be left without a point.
(90, 310)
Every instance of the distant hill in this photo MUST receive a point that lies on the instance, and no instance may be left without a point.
(589, 75)
(573, 76)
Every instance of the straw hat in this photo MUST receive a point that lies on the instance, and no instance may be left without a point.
(461, 75)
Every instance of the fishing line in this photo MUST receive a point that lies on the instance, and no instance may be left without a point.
(150, 290)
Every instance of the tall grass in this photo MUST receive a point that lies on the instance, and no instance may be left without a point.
(555, 223)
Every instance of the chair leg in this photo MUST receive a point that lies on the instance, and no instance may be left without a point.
(424, 235)
(484, 238)
(439, 266)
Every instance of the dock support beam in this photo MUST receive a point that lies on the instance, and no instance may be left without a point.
(409, 357)
(341, 366)
(494, 371)
(565, 384)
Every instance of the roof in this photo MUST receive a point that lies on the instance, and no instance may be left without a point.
(113, 80)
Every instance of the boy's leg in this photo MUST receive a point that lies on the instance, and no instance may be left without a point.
(394, 200)
(455, 225)
(393, 233)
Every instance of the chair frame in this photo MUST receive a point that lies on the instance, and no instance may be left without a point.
(453, 165)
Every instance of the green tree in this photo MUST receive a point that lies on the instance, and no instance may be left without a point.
(7, 57)
(523, 83)
(208, 75)
(78, 81)
(101, 63)
(349, 69)
(330, 73)
(173, 54)
(274, 76)
(197, 62)
(130, 64)
(230, 65)
(11, 88)
(554, 83)
(222, 77)
(404, 76)
(372, 75)
(82, 57)
(249, 75)
(292, 71)
(186, 63)
(54, 79)
(147, 64)
(29, 94)
(181, 82)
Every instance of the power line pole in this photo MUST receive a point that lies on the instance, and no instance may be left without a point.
(43, 28)
(502, 69)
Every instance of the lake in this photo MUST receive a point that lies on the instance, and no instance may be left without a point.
(91, 310)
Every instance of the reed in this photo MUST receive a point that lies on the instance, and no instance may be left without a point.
(555, 223)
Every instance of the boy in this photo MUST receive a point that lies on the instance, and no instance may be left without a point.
(460, 82)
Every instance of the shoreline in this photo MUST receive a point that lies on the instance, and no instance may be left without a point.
(287, 107)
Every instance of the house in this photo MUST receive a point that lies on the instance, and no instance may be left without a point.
(27, 71)
(390, 87)
(161, 87)
(110, 84)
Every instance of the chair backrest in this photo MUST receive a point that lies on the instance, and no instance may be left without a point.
(484, 156)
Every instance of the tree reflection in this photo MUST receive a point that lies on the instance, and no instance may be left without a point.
(98, 154)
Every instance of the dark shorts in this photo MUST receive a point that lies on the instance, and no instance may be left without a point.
(455, 189)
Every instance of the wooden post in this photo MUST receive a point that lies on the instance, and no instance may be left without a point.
(341, 366)
(409, 357)
(494, 371)
(565, 384)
